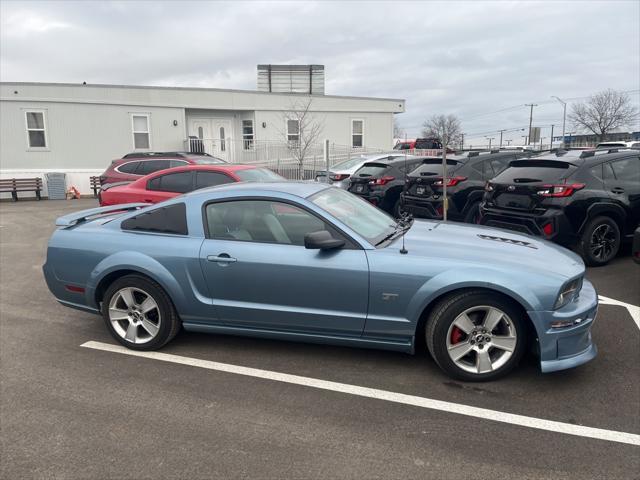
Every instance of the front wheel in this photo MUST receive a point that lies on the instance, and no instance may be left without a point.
(476, 336)
(139, 314)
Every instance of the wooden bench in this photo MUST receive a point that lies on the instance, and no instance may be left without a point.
(15, 185)
(95, 185)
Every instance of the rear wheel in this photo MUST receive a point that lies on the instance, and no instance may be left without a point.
(476, 336)
(600, 241)
(139, 314)
(473, 215)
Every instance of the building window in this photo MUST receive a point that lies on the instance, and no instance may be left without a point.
(223, 145)
(293, 130)
(36, 132)
(141, 135)
(247, 134)
(357, 133)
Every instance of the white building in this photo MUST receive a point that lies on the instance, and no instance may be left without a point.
(79, 129)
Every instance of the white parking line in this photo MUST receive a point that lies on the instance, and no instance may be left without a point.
(521, 420)
(633, 310)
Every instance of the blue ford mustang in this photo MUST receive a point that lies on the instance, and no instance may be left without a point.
(309, 262)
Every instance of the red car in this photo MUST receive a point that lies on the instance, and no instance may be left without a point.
(138, 164)
(172, 182)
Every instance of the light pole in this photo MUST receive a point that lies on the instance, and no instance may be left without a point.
(490, 138)
(551, 141)
(508, 142)
(526, 138)
(541, 139)
(501, 136)
(564, 114)
(530, 119)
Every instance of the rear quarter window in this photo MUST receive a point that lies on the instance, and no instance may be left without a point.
(171, 219)
(129, 167)
(535, 171)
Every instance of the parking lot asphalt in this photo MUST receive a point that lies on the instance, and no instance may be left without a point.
(73, 412)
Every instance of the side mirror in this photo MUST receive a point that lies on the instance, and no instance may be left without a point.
(322, 240)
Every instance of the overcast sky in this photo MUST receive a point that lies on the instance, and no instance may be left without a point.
(469, 58)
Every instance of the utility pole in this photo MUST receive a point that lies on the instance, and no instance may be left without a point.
(501, 136)
(551, 142)
(508, 142)
(525, 139)
(490, 138)
(564, 114)
(462, 141)
(530, 119)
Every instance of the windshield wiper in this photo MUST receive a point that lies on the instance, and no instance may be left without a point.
(402, 226)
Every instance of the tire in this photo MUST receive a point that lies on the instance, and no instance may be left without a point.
(600, 241)
(124, 309)
(473, 214)
(446, 340)
(397, 209)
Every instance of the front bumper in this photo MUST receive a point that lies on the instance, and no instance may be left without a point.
(568, 347)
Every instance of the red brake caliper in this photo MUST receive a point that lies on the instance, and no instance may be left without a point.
(456, 335)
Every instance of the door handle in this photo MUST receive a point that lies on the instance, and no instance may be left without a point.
(222, 258)
(617, 190)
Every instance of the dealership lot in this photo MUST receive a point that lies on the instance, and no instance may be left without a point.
(69, 411)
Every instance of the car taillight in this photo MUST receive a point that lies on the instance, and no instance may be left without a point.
(560, 190)
(382, 180)
(339, 176)
(451, 181)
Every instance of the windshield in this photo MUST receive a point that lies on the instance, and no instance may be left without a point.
(258, 175)
(365, 219)
(208, 161)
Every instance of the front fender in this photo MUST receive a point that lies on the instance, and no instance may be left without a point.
(137, 262)
(514, 286)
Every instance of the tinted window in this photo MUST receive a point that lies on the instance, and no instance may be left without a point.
(497, 164)
(150, 166)
(433, 167)
(428, 144)
(258, 175)
(170, 219)
(210, 179)
(128, 167)
(177, 163)
(408, 166)
(180, 182)
(597, 171)
(607, 172)
(627, 170)
(208, 161)
(371, 170)
(532, 171)
(261, 221)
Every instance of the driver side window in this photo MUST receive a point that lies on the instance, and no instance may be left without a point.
(263, 221)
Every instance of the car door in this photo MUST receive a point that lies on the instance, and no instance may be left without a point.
(622, 182)
(163, 187)
(260, 275)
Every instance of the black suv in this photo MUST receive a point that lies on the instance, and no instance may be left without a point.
(381, 182)
(584, 199)
(466, 178)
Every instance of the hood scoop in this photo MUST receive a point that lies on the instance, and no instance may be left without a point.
(508, 240)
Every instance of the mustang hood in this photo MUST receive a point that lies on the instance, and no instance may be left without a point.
(490, 246)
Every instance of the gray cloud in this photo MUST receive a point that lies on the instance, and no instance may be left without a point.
(466, 58)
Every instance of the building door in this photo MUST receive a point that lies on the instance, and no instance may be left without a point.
(214, 135)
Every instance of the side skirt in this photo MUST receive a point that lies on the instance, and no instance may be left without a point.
(406, 347)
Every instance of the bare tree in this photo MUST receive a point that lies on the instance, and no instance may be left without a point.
(302, 132)
(604, 112)
(448, 130)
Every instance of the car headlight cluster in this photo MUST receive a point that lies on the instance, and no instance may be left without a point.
(570, 291)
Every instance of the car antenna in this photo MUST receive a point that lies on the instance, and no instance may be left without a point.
(403, 250)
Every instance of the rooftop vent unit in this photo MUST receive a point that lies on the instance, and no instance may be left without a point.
(291, 79)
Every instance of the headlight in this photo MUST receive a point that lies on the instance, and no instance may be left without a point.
(570, 291)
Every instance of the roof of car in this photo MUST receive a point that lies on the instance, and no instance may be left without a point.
(584, 157)
(297, 188)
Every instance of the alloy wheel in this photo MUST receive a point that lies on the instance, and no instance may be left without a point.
(134, 315)
(481, 339)
(603, 241)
